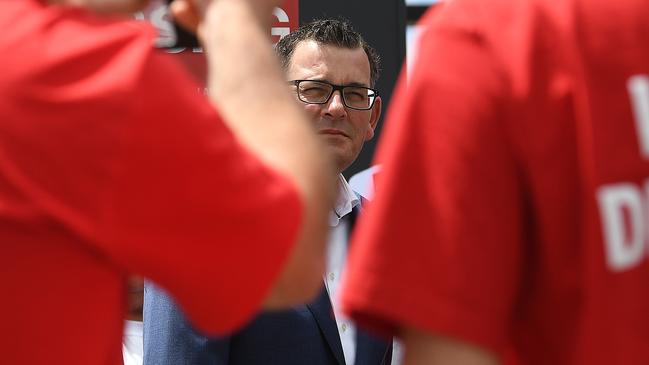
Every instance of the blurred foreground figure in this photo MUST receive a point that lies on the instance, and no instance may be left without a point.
(110, 165)
(523, 136)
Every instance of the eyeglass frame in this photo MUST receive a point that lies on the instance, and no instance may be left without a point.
(335, 88)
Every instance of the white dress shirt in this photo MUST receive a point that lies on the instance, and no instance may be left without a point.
(132, 343)
(336, 259)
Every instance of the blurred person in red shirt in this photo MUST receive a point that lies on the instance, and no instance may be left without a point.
(110, 166)
(522, 138)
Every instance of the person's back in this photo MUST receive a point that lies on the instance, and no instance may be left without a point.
(613, 149)
(532, 241)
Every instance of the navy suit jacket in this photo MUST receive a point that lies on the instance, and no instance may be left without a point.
(305, 334)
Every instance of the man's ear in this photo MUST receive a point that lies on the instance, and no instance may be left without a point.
(374, 118)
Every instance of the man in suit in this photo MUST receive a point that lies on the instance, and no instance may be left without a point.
(332, 72)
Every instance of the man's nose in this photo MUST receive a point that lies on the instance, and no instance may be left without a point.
(335, 107)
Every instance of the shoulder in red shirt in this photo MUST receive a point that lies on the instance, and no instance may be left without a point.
(110, 164)
(518, 120)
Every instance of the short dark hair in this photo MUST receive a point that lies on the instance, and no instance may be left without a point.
(334, 32)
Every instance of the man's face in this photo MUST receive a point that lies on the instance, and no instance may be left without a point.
(344, 130)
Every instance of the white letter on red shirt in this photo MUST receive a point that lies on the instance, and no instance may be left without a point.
(638, 87)
(624, 243)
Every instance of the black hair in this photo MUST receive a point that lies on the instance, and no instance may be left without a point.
(334, 32)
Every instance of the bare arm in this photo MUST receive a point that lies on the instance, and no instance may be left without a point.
(423, 348)
(246, 82)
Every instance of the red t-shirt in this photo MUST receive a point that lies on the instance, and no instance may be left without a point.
(511, 211)
(110, 163)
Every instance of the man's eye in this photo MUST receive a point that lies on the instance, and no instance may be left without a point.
(314, 91)
(356, 95)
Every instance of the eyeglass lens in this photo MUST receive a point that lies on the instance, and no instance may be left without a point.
(319, 93)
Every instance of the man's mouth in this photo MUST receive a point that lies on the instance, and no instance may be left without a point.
(334, 132)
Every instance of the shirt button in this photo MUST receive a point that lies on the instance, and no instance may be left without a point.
(344, 327)
(332, 276)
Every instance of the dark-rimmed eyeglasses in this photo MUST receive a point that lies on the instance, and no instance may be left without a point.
(319, 92)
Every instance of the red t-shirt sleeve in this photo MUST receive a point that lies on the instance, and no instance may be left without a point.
(110, 141)
(110, 160)
(192, 209)
(439, 248)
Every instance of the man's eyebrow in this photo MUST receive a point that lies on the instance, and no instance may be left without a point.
(319, 79)
(355, 84)
(360, 84)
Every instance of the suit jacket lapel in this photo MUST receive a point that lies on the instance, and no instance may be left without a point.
(324, 316)
(323, 312)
